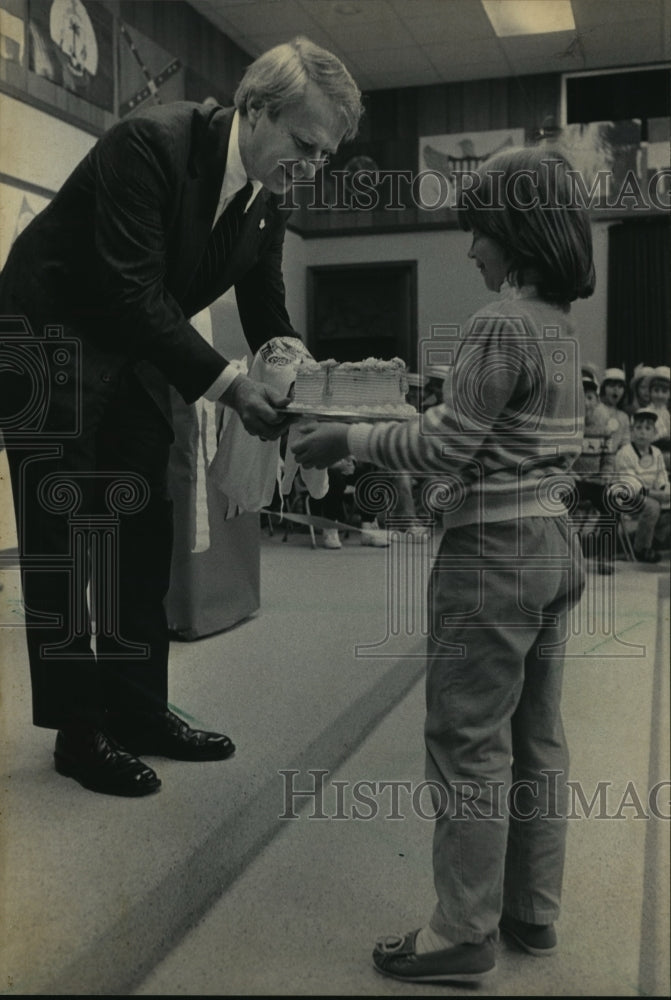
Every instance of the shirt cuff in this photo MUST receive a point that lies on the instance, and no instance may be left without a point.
(222, 382)
(358, 438)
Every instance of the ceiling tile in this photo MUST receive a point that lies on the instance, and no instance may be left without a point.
(476, 71)
(596, 13)
(534, 47)
(352, 12)
(408, 59)
(263, 41)
(481, 51)
(432, 41)
(637, 41)
(390, 33)
(268, 15)
(436, 20)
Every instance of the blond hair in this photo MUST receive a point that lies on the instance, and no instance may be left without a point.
(278, 78)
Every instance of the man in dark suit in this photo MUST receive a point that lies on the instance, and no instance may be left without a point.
(169, 209)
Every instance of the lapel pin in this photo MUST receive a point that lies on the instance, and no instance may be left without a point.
(262, 224)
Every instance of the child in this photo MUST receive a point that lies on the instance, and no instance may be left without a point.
(599, 422)
(612, 393)
(639, 388)
(342, 478)
(659, 401)
(594, 466)
(505, 575)
(644, 461)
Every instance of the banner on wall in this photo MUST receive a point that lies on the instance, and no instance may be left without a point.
(26, 214)
(16, 210)
(615, 161)
(147, 73)
(442, 157)
(70, 43)
(11, 35)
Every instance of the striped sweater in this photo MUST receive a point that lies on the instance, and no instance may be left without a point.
(511, 421)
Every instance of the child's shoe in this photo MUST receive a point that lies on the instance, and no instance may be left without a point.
(331, 538)
(372, 535)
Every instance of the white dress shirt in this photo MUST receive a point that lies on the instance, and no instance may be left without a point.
(235, 178)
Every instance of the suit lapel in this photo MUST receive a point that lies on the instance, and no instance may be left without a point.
(200, 195)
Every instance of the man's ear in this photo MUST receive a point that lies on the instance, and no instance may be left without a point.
(254, 112)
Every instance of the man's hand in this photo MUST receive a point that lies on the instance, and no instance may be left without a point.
(321, 445)
(259, 408)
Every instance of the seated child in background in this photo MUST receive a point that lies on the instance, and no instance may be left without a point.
(644, 461)
(331, 505)
(639, 388)
(612, 394)
(590, 371)
(659, 401)
(599, 420)
(594, 467)
(343, 477)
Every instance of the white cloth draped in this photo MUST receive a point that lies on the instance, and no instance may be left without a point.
(245, 468)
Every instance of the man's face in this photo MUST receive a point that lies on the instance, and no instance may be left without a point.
(643, 432)
(302, 133)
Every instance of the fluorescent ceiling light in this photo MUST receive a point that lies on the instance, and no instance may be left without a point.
(529, 17)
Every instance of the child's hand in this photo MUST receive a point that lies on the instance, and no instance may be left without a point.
(321, 444)
(346, 465)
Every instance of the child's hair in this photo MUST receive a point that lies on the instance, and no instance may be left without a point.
(526, 201)
(658, 382)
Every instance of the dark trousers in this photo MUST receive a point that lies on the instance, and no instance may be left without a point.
(94, 525)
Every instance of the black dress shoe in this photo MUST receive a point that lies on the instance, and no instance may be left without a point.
(100, 764)
(164, 734)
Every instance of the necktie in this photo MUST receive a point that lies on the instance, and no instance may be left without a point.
(222, 239)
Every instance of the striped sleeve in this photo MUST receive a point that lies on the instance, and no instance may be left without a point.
(478, 393)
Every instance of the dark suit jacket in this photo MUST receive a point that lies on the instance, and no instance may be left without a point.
(113, 255)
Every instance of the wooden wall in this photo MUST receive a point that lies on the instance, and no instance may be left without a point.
(390, 130)
(471, 105)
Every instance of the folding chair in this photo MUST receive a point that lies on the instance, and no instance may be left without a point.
(624, 537)
(298, 502)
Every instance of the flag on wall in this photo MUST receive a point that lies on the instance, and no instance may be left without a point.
(26, 215)
(70, 43)
(147, 73)
(16, 210)
(11, 34)
(443, 157)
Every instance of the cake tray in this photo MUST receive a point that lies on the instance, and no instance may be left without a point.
(350, 416)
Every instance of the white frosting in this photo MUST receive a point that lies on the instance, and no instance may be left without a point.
(372, 385)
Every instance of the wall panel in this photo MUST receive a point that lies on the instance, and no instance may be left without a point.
(390, 132)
